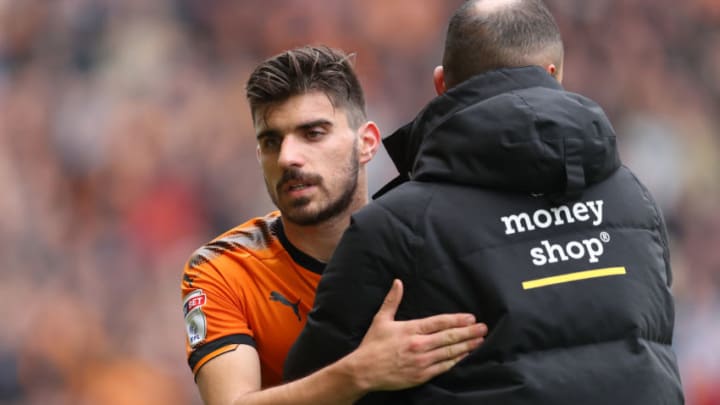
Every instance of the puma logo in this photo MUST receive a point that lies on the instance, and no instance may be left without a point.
(276, 296)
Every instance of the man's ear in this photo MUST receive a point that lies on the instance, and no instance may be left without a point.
(439, 80)
(555, 71)
(369, 141)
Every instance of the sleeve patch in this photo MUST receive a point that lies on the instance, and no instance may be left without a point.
(195, 322)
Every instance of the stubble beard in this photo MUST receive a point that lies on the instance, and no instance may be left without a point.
(304, 217)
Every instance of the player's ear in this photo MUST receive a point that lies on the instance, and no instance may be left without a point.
(369, 136)
(439, 80)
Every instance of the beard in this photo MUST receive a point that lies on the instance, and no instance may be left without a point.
(298, 214)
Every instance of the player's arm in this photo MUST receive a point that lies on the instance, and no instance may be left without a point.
(393, 355)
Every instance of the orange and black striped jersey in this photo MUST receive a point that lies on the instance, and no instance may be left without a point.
(248, 286)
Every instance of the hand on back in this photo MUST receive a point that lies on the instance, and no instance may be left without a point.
(401, 354)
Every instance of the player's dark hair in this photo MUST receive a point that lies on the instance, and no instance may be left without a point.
(519, 33)
(307, 69)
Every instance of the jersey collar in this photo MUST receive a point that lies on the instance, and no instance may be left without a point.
(300, 257)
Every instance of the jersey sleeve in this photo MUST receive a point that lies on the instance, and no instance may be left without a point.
(214, 311)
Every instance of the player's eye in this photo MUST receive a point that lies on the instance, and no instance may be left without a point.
(269, 143)
(314, 133)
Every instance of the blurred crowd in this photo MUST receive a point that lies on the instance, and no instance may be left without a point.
(126, 143)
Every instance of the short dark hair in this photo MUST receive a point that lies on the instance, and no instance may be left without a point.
(307, 69)
(520, 33)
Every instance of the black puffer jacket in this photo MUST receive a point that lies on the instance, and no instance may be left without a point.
(517, 209)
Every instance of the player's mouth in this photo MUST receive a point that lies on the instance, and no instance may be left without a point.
(296, 189)
(296, 184)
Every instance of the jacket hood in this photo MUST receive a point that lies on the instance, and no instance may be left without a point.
(510, 129)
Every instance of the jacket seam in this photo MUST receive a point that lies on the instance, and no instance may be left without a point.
(590, 344)
(659, 226)
(414, 233)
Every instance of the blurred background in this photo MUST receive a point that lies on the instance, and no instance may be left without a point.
(126, 143)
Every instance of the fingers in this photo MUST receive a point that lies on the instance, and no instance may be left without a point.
(441, 367)
(451, 340)
(432, 324)
(454, 351)
(447, 356)
(392, 301)
(443, 359)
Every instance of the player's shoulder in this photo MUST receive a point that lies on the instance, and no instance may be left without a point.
(255, 238)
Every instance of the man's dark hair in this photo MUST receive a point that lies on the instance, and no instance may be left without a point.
(484, 35)
(307, 69)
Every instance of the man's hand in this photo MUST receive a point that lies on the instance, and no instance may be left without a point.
(395, 355)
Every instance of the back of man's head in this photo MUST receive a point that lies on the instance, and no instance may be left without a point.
(484, 35)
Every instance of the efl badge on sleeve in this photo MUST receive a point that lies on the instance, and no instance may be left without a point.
(195, 324)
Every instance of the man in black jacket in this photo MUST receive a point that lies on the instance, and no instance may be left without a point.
(511, 203)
